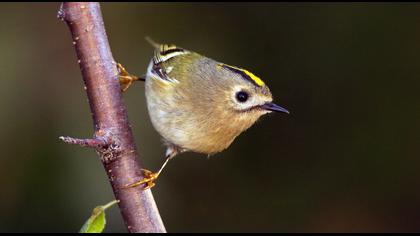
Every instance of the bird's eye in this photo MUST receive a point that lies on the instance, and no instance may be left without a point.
(242, 96)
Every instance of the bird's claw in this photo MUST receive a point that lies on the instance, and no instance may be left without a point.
(126, 79)
(148, 180)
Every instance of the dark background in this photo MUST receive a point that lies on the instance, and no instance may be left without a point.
(345, 160)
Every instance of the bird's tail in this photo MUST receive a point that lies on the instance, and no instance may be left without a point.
(152, 42)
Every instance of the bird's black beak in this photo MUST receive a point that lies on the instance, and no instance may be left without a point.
(269, 106)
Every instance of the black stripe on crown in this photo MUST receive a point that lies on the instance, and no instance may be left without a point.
(166, 52)
(240, 72)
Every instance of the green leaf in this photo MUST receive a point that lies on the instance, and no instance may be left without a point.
(96, 222)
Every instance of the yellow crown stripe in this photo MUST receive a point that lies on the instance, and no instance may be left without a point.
(251, 76)
(255, 78)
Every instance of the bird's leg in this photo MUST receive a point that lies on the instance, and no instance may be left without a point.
(150, 177)
(126, 79)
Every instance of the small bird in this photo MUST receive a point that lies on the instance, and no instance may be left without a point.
(198, 104)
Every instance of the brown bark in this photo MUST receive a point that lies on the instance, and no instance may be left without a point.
(113, 139)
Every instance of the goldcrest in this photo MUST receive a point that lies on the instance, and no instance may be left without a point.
(198, 104)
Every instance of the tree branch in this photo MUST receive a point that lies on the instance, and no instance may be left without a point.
(113, 139)
(89, 142)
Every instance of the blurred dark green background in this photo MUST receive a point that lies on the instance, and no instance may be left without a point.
(345, 160)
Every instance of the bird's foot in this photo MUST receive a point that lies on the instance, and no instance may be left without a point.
(148, 180)
(126, 79)
(149, 177)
